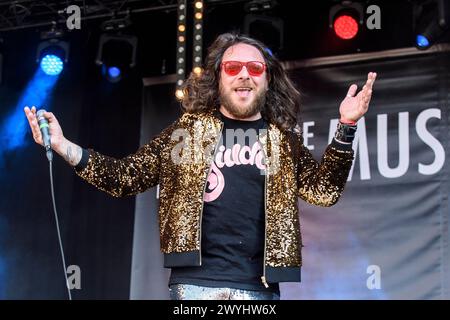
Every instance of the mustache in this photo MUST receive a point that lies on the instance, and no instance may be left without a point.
(245, 83)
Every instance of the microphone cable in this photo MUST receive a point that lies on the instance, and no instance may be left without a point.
(50, 158)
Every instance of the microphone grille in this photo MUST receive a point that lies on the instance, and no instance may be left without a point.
(40, 113)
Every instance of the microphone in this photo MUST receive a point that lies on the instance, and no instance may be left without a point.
(43, 125)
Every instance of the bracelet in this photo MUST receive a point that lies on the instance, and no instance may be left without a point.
(348, 122)
(345, 132)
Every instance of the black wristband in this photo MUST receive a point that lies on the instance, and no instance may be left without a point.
(83, 161)
(345, 132)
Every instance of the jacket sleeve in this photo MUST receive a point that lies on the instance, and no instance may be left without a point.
(127, 176)
(323, 183)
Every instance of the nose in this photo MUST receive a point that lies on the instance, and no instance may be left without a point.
(243, 74)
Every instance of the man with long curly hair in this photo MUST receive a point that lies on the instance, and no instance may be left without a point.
(230, 172)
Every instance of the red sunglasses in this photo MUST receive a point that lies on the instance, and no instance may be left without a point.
(254, 68)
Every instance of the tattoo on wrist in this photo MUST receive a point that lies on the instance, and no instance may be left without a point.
(69, 155)
(73, 156)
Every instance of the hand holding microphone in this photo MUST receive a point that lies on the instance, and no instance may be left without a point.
(46, 130)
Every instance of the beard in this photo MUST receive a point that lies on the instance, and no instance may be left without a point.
(243, 112)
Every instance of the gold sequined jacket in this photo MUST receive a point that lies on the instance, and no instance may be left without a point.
(179, 160)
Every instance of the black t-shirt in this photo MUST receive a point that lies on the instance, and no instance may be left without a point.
(233, 214)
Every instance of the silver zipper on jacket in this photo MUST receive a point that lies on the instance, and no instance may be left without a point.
(203, 193)
(263, 278)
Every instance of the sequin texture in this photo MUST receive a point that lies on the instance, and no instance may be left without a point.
(194, 292)
(180, 163)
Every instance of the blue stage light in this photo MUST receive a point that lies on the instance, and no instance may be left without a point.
(431, 22)
(52, 65)
(422, 41)
(113, 72)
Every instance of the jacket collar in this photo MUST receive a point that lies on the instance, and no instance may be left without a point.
(215, 113)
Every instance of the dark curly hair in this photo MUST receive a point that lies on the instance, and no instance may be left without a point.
(282, 99)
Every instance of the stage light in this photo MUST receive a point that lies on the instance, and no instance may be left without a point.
(116, 50)
(116, 54)
(179, 94)
(51, 65)
(198, 5)
(431, 20)
(197, 34)
(345, 27)
(112, 73)
(52, 53)
(198, 71)
(422, 42)
(345, 19)
(181, 48)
